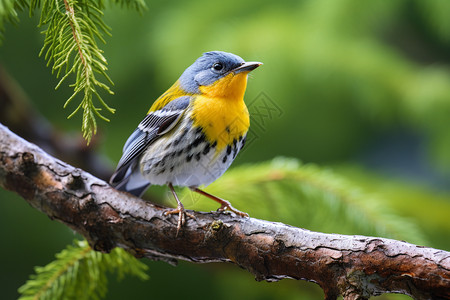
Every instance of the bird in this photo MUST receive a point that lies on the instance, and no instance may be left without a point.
(192, 132)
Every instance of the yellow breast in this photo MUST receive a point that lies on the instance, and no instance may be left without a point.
(220, 110)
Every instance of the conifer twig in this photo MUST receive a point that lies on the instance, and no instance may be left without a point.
(356, 267)
(78, 272)
(19, 115)
(70, 45)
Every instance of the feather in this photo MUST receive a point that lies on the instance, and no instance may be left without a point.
(127, 176)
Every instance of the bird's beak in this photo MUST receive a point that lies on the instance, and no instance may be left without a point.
(247, 67)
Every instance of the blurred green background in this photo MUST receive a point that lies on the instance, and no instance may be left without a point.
(358, 91)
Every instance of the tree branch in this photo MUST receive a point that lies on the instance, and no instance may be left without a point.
(356, 267)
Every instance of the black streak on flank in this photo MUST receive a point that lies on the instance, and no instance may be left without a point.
(206, 150)
(228, 150)
(243, 143)
(198, 140)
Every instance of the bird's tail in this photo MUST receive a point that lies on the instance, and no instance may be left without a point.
(129, 179)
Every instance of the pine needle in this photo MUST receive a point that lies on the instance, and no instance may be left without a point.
(80, 273)
(70, 48)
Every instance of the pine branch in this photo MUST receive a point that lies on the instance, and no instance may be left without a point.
(353, 266)
(80, 273)
(70, 45)
(19, 115)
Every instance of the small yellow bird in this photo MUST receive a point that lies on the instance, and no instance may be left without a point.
(192, 133)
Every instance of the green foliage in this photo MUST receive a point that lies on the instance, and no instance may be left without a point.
(138, 5)
(8, 13)
(70, 46)
(435, 15)
(80, 273)
(307, 196)
(427, 207)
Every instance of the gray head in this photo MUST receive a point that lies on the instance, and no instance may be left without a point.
(210, 67)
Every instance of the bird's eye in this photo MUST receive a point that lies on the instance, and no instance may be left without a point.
(218, 67)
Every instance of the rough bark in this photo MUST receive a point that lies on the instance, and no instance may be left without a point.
(356, 267)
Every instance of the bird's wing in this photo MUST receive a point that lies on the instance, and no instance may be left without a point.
(154, 125)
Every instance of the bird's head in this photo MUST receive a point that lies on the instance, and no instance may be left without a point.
(217, 74)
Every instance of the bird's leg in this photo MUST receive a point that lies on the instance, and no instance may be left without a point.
(224, 204)
(179, 210)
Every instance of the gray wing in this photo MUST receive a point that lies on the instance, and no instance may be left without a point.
(127, 176)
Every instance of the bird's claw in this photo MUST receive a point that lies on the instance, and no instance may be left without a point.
(227, 206)
(181, 216)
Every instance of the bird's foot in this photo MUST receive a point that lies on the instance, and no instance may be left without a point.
(181, 215)
(225, 205)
